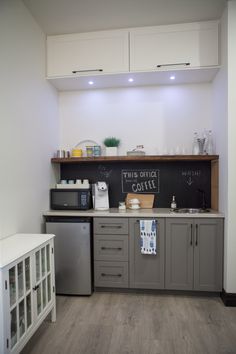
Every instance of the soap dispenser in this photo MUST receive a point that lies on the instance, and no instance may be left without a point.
(173, 203)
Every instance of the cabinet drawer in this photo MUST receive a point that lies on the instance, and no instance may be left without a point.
(111, 226)
(111, 274)
(111, 248)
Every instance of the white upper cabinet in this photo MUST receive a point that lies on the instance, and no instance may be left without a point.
(190, 45)
(93, 53)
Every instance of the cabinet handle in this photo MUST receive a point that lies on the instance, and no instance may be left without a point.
(173, 64)
(36, 287)
(191, 240)
(111, 248)
(111, 226)
(86, 71)
(110, 275)
(196, 241)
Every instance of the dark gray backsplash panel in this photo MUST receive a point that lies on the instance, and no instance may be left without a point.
(164, 179)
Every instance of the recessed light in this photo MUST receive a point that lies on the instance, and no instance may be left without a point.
(172, 77)
(91, 82)
(130, 79)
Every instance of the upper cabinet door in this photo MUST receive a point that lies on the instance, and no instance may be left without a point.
(174, 46)
(88, 53)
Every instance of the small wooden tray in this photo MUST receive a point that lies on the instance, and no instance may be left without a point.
(146, 200)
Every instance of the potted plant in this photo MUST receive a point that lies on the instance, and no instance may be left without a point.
(111, 143)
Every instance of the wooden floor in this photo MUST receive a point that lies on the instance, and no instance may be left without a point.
(111, 323)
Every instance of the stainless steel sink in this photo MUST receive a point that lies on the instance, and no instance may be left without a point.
(191, 210)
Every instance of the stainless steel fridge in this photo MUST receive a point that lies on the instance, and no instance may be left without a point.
(73, 268)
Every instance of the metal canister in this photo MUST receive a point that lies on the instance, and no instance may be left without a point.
(89, 151)
(61, 153)
(97, 150)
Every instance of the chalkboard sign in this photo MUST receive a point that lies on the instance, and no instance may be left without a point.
(163, 179)
(140, 181)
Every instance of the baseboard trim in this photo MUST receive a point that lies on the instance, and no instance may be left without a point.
(229, 299)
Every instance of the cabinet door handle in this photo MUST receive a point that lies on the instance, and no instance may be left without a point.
(111, 226)
(191, 239)
(110, 275)
(35, 287)
(172, 64)
(196, 241)
(86, 71)
(111, 248)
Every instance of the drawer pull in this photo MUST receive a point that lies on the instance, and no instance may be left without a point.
(191, 241)
(111, 275)
(196, 241)
(112, 248)
(85, 71)
(173, 64)
(111, 226)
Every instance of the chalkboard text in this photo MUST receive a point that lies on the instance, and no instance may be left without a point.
(140, 181)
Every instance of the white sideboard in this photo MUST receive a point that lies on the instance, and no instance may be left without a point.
(27, 288)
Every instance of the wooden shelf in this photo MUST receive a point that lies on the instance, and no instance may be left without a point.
(146, 158)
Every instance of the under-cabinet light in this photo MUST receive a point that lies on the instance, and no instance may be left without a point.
(91, 82)
(131, 79)
(172, 77)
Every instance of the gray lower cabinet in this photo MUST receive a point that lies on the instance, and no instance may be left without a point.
(111, 252)
(194, 254)
(146, 271)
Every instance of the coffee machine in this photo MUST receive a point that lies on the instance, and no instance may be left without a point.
(100, 196)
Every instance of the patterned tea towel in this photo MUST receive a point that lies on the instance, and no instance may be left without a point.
(148, 235)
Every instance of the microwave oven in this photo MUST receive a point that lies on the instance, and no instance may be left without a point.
(70, 199)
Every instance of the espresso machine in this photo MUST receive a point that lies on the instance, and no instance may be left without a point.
(100, 196)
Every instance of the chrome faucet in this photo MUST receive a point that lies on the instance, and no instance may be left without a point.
(203, 197)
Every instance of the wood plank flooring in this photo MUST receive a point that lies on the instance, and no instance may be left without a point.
(116, 323)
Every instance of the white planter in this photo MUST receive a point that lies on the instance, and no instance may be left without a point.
(111, 151)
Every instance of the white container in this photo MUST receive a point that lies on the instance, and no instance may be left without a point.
(195, 150)
(111, 151)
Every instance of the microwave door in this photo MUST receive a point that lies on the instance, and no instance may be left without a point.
(64, 200)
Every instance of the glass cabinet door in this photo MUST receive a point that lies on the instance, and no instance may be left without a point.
(13, 319)
(28, 310)
(20, 278)
(12, 285)
(27, 274)
(20, 299)
(43, 278)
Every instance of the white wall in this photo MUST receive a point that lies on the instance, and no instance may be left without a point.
(161, 118)
(220, 126)
(28, 122)
(224, 88)
(230, 280)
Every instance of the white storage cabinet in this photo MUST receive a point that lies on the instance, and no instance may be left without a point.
(27, 288)
(91, 53)
(180, 46)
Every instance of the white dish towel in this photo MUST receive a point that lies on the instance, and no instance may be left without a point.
(148, 235)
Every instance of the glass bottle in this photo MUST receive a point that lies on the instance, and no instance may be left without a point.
(195, 149)
(209, 144)
(173, 203)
